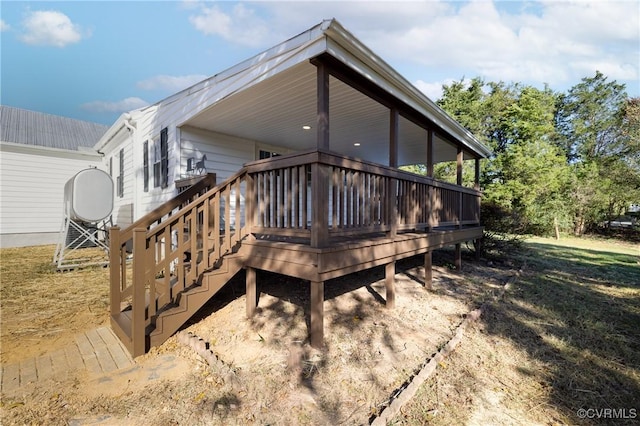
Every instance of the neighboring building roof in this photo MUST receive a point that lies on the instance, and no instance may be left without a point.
(52, 131)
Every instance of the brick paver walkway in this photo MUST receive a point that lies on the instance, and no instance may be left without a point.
(97, 351)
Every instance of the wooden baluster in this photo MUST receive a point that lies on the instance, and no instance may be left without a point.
(250, 199)
(227, 219)
(305, 197)
(295, 202)
(268, 193)
(289, 205)
(217, 250)
(206, 229)
(238, 211)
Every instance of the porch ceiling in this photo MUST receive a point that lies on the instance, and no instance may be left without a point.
(275, 110)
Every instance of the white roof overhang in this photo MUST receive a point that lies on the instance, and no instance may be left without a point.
(270, 97)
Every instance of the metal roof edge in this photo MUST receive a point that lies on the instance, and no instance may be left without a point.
(45, 150)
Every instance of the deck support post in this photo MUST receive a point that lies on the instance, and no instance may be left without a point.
(115, 270)
(389, 283)
(476, 178)
(459, 163)
(477, 245)
(317, 314)
(428, 271)
(458, 257)
(252, 300)
(138, 302)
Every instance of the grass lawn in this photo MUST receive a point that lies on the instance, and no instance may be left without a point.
(562, 346)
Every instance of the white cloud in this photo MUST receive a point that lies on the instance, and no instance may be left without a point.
(4, 26)
(432, 90)
(169, 82)
(123, 105)
(50, 28)
(241, 25)
(555, 42)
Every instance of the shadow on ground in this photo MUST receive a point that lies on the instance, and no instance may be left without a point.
(577, 311)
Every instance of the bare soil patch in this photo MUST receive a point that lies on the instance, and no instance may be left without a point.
(276, 377)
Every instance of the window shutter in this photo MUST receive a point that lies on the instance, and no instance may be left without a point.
(164, 157)
(145, 165)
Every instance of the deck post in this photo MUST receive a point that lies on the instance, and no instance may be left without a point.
(393, 137)
(138, 300)
(115, 253)
(317, 314)
(428, 271)
(251, 293)
(458, 257)
(430, 153)
(322, 121)
(389, 284)
(319, 205)
(460, 158)
(476, 179)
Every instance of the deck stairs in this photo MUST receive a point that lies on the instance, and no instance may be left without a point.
(170, 263)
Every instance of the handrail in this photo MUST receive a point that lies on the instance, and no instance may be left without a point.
(332, 158)
(156, 214)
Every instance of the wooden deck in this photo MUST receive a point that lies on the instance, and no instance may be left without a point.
(313, 215)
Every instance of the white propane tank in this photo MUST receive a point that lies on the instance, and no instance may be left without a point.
(88, 196)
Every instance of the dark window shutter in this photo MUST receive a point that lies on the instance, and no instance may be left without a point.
(164, 156)
(145, 165)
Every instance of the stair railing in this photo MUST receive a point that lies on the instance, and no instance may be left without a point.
(165, 252)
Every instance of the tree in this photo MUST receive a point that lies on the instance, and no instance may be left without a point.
(589, 119)
(598, 130)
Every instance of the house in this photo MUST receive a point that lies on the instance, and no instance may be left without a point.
(305, 141)
(39, 153)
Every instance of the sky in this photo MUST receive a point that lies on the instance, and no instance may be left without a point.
(93, 60)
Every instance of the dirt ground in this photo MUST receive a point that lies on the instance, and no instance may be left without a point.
(268, 373)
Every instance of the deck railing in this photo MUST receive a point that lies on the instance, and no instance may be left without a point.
(319, 195)
(312, 196)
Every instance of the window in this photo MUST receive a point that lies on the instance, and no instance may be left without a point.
(120, 180)
(268, 154)
(145, 166)
(161, 161)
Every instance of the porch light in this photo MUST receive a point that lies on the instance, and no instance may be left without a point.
(306, 127)
(356, 144)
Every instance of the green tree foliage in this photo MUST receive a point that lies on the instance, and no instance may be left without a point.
(598, 131)
(561, 160)
(528, 175)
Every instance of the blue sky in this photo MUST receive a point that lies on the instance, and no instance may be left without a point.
(94, 60)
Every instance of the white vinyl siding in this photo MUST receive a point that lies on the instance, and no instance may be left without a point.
(32, 191)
